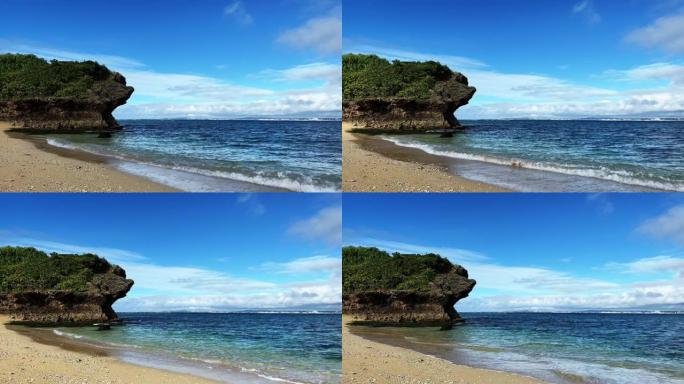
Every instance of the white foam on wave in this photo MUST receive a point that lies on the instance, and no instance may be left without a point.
(155, 172)
(559, 369)
(147, 169)
(278, 379)
(66, 334)
(60, 144)
(603, 173)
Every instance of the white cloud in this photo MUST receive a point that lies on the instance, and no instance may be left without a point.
(533, 280)
(315, 103)
(525, 288)
(666, 33)
(669, 225)
(586, 9)
(456, 255)
(313, 297)
(57, 54)
(657, 264)
(330, 73)
(325, 225)
(237, 10)
(189, 87)
(632, 297)
(527, 87)
(315, 264)
(455, 62)
(323, 34)
(188, 280)
(252, 201)
(602, 201)
(114, 255)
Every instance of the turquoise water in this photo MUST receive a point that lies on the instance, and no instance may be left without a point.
(296, 348)
(570, 156)
(557, 348)
(222, 155)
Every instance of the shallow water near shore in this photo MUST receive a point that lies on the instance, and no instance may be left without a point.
(569, 156)
(561, 348)
(240, 347)
(220, 155)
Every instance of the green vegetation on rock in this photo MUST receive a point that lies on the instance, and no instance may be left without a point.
(369, 76)
(370, 269)
(28, 269)
(27, 76)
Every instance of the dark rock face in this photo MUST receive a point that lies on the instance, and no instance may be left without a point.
(397, 115)
(67, 307)
(93, 112)
(434, 307)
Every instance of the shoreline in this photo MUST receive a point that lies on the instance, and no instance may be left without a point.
(29, 164)
(366, 361)
(451, 174)
(26, 359)
(371, 164)
(110, 174)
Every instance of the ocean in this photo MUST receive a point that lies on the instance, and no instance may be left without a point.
(563, 348)
(223, 156)
(564, 156)
(239, 347)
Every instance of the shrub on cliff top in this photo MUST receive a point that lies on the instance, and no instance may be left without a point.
(28, 269)
(369, 76)
(27, 76)
(368, 269)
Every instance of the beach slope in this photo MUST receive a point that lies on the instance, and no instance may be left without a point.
(24, 167)
(375, 165)
(24, 361)
(365, 361)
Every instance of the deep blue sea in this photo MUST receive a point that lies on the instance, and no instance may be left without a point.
(562, 348)
(566, 156)
(239, 347)
(226, 156)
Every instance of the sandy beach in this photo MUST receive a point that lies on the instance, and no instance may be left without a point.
(365, 361)
(30, 165)
(23, 360)
(371, 164)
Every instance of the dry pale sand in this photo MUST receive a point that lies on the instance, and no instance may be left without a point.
(365, 361)
(29, 165)
(24, 361)
(371, 164)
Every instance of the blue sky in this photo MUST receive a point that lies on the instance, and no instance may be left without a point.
(537, 251)
(210, 58)
(210, 252)
(538, 58)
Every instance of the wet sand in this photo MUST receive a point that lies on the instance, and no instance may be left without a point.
(365, 361)
(371, 164)
(29, 164)
(25, 360)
